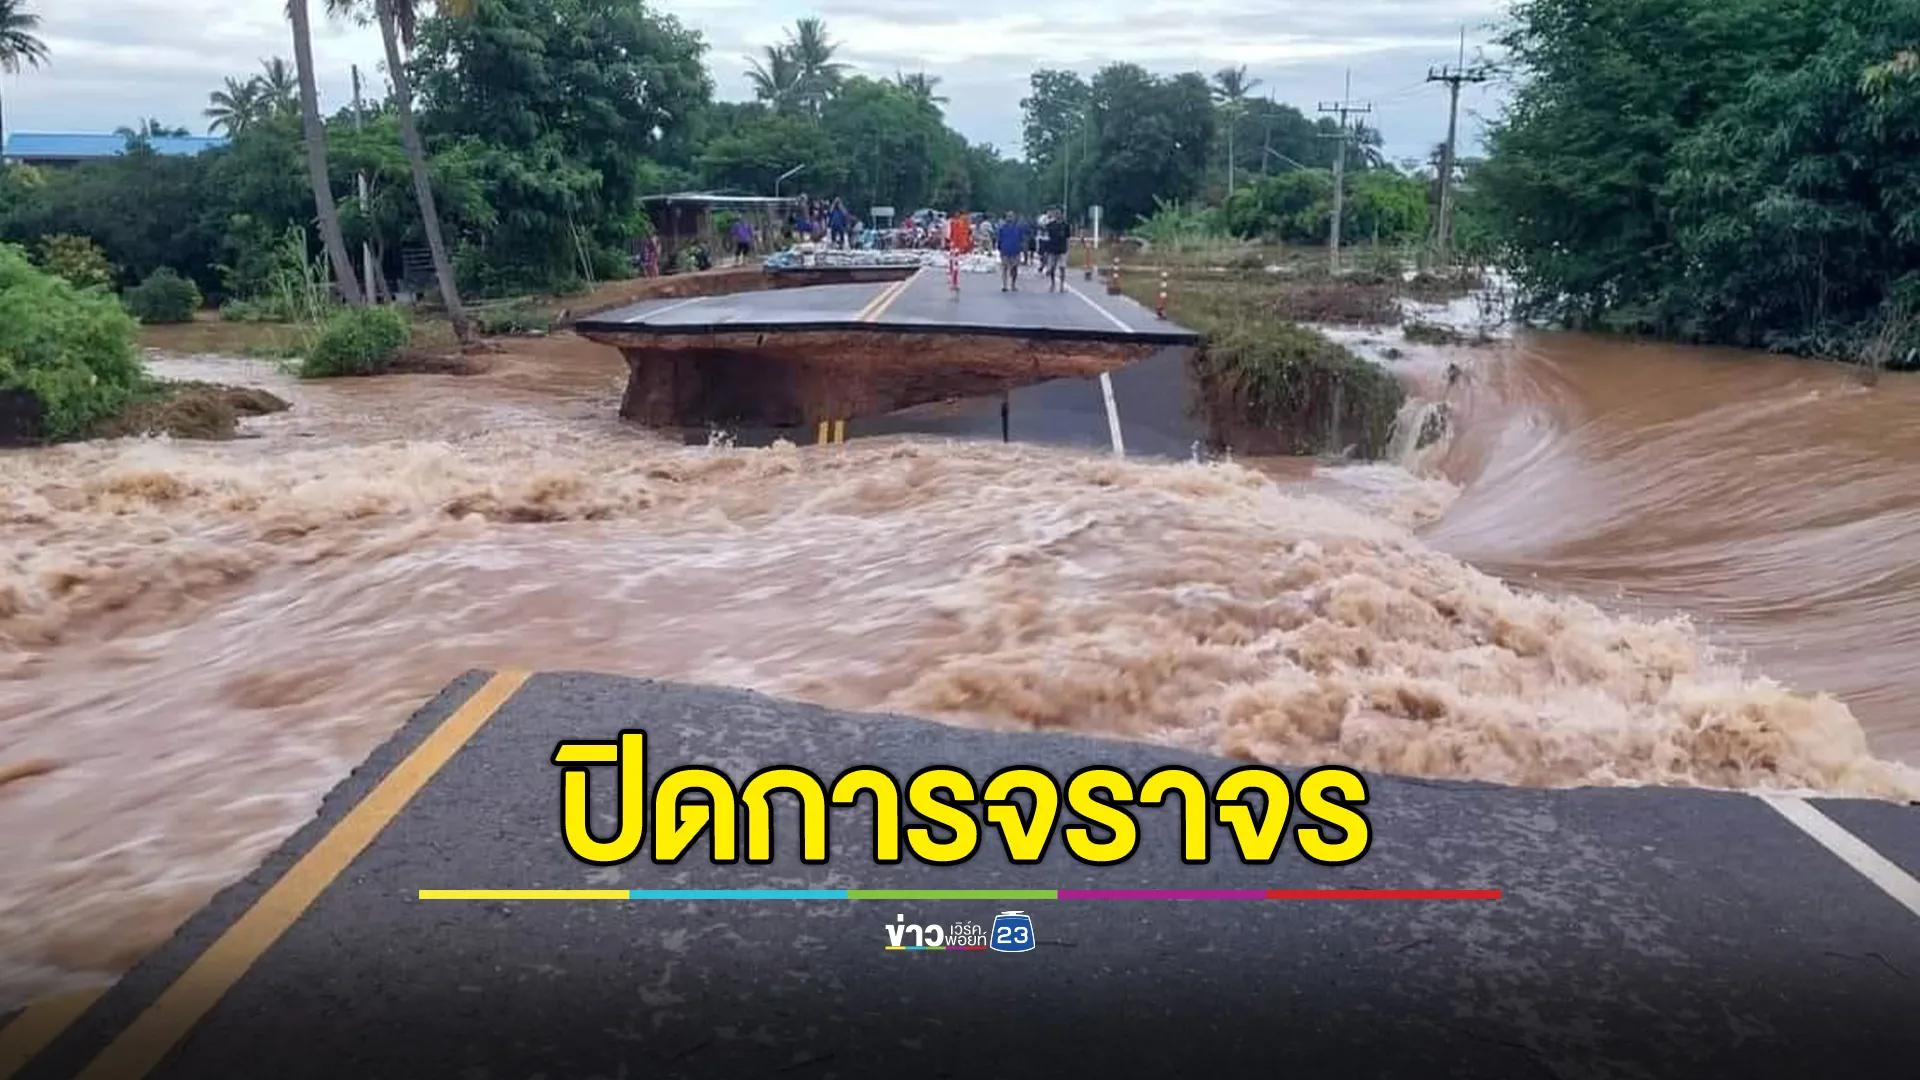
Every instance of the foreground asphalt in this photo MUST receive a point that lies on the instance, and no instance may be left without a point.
(1639, 932)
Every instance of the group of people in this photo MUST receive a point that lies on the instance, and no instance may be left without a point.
(1019, 243)
(820, 220)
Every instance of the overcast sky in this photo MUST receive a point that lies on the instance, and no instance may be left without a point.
(114, 61)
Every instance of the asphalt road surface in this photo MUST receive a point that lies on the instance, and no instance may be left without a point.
(923, 302)
(1637, 933)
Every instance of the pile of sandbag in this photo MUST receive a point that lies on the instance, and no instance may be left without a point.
(973, 262)
(813, 255)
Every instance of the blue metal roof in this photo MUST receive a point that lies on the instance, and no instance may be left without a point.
(64, 145)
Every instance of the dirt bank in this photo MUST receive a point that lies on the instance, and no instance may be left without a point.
(1269, 385)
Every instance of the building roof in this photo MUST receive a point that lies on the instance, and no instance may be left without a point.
(65, 145)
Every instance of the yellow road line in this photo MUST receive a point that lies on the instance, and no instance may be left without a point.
(36, 1028)
(525, 894)
(820, 434)
(886, 299)
(861, 315)
(839, 431)
(156, 1031)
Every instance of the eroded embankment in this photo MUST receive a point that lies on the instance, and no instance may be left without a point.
(1268, 383)
(799, 377)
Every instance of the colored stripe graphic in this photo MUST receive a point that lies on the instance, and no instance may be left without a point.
(960, 894)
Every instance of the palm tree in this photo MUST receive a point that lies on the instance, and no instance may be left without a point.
(147, 130)
(1231, 87)
(397, 19)
(812, 53)
(19, 46)
(777, 80)
(236, 108)
(325, 209)
(921, 85)
(279, 87)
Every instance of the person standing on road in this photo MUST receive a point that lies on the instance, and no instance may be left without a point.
(959, 245)
(837, 221)
(1013, 244)
(1056, 240)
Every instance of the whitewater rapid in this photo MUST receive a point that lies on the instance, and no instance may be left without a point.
(197, 641)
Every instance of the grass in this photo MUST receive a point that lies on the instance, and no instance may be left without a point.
(1272, 386)
(208, 333)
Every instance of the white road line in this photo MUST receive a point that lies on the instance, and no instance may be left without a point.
(657, 312)
(1113, 415)
(1106, 380)
(1853, 851)
(1110, 316)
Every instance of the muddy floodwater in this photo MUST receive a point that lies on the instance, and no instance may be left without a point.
(1628, 564)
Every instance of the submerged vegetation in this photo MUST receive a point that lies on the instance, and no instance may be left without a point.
(69, 351)
(69, 368)
(1269, 385)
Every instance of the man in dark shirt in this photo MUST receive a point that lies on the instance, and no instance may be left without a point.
(1012, 240)
(1056, 237)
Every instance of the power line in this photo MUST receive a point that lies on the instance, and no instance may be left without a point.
(1344, 108)
(1454, 76)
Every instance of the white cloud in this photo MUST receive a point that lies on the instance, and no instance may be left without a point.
(114, 61)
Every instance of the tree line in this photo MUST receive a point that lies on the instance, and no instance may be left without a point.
(1741, 172)
(514, 139)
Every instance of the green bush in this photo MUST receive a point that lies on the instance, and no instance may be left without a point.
(165, 297)
(77, 259)
(517, 317)
(249, 311)
(357, 341)
(1295, 381)
(71, 349)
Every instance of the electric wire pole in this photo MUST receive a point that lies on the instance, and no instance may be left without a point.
(1344, 107)
(360, 181)
(1453, 76)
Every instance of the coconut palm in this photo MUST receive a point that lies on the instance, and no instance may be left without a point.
(279, 87)
(398, 19)
(776, 81)
(325, 209)
(20, 47)
(237, 107)
(149, 129)
(812, 53)
(922, 86)
(1231, 85)
(1230, 88)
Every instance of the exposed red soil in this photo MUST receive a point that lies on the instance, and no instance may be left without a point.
(804, 377)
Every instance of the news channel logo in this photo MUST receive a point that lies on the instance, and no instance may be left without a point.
(1010, 932)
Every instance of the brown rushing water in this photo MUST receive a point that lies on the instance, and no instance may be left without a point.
(198, 640)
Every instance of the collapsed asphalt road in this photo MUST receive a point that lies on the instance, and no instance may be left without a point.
(1639, 932)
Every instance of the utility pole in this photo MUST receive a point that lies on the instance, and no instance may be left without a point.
(1453, 76)
(1344, 108)
(1066, 174)
(360, 179)
(1231, 106)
